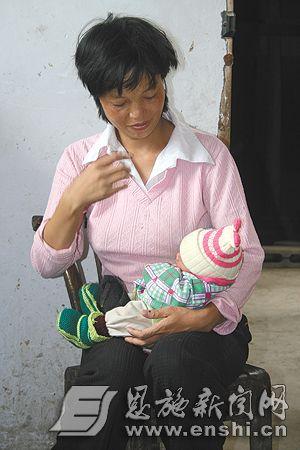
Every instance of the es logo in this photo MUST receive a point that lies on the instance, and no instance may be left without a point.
(84, 411)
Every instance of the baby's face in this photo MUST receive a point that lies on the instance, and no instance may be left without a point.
(180, 264)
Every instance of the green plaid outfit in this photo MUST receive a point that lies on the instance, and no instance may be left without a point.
(163, 284)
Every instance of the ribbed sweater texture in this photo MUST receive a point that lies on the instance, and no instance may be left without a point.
(133, 228)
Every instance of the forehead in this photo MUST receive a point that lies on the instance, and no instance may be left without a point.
(142, 87)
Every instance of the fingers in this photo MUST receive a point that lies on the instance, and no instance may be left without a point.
(112, 168)
(118, 176)
(106, 160)
(114, 172)
(146, 333)
(141, 342)
(134, 341)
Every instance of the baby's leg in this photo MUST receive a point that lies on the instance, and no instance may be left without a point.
(112, 293)
(118, 319)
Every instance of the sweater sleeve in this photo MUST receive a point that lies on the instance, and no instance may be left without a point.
(47, 261)
(225, 200)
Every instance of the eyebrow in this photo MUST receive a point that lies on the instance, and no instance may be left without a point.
(121, 96)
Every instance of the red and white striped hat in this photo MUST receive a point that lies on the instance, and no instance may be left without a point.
(213, 255)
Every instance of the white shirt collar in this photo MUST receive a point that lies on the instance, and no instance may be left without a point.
(183, 144)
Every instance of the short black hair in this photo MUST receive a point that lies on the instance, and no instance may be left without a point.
(116, 46)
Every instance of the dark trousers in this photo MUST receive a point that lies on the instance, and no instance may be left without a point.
(188, 360)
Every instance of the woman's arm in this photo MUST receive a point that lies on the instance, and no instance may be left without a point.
(225, 200)
(58, 242)
(61, 229)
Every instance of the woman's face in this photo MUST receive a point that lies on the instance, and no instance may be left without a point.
(135, 107)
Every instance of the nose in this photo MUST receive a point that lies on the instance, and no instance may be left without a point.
(136, 113)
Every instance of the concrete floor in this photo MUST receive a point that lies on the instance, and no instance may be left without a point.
(273, 312)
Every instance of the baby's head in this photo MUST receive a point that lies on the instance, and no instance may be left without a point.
(179, 263)
(212, 255)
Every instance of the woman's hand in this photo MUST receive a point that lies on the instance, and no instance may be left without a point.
(96, 181)
(175, 319)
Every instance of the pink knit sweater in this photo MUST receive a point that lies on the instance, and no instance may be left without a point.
(134, 228)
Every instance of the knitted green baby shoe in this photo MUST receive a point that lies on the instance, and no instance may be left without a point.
(88, 294)
(92, 333)
(79, 328)
(69, 324)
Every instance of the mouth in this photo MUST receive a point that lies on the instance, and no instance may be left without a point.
(140, 126)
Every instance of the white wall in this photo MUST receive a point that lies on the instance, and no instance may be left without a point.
(43, 109)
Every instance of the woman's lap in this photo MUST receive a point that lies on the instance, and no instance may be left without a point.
(189, 360)
(194, 361)
(183, 352)
(113, 361)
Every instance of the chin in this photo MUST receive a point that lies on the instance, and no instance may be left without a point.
(143, 134)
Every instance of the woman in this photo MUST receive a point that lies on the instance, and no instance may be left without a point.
(173, 179)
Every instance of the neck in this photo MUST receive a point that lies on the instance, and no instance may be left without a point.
(152, 144)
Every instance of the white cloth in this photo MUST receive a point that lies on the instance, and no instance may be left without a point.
(118, 319)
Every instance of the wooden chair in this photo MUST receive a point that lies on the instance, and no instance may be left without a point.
(253, 379)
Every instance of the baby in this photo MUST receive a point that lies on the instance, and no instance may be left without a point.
(208, 262)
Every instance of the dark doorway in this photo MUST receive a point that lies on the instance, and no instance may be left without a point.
(265, 129)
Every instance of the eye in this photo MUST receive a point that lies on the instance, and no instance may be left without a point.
(119, 106)
(149, 98)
